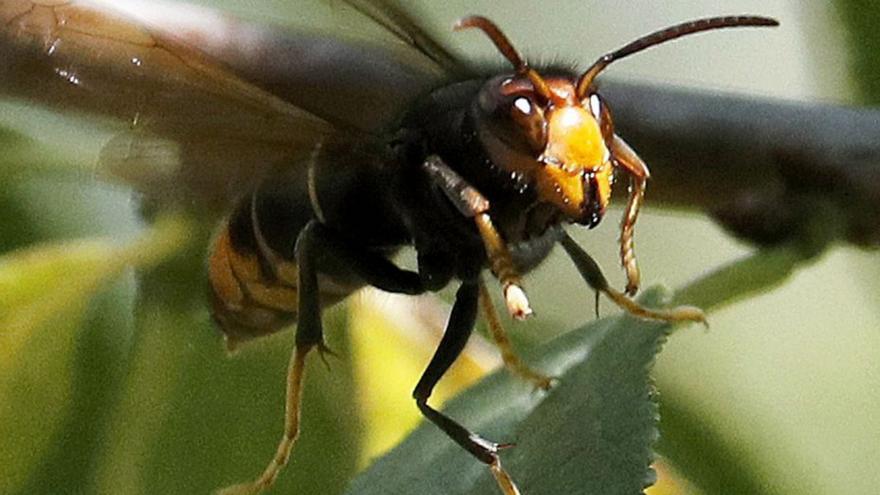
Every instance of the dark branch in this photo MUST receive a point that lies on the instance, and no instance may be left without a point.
(764, 168)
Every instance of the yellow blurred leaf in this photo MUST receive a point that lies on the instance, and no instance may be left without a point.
(40, 283)
(44, 291)
(669, 481)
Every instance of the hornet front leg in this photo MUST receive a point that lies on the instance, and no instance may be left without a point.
(474, 205)
(592, 275)
(639, 175)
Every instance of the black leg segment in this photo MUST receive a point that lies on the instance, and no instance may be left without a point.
(592, 274)
(309, 331)
(472, 204)
(459, 328)
(373, 267)
(318, 247)
(585, 264)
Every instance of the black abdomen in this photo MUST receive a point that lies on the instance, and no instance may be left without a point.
(253, 270)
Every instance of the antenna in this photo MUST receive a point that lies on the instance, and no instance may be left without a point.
(664, 35)
(506, 48)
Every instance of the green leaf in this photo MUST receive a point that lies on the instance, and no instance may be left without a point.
(746, 277)
(592, 433)
(92, 368)
(860, 18)
(35, 391)
(46, 282)
(708, 457)
(38, 319)
(45, 292)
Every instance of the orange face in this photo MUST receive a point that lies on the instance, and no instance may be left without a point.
(567, 156)
(577, 172)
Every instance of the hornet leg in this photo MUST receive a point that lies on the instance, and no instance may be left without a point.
(592, 275)
(459, 328)
(511, 360)
(472, 204)
(315, 242)
(639, 175)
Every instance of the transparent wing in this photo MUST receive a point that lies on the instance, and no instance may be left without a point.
(408, 30)
(207, 104)
(186, 123)
(357, 65)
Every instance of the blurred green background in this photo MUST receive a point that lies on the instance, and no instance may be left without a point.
(113, 383)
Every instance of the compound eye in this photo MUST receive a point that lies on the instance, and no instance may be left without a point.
(523, 105)
(602, 114)
(529, 117)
